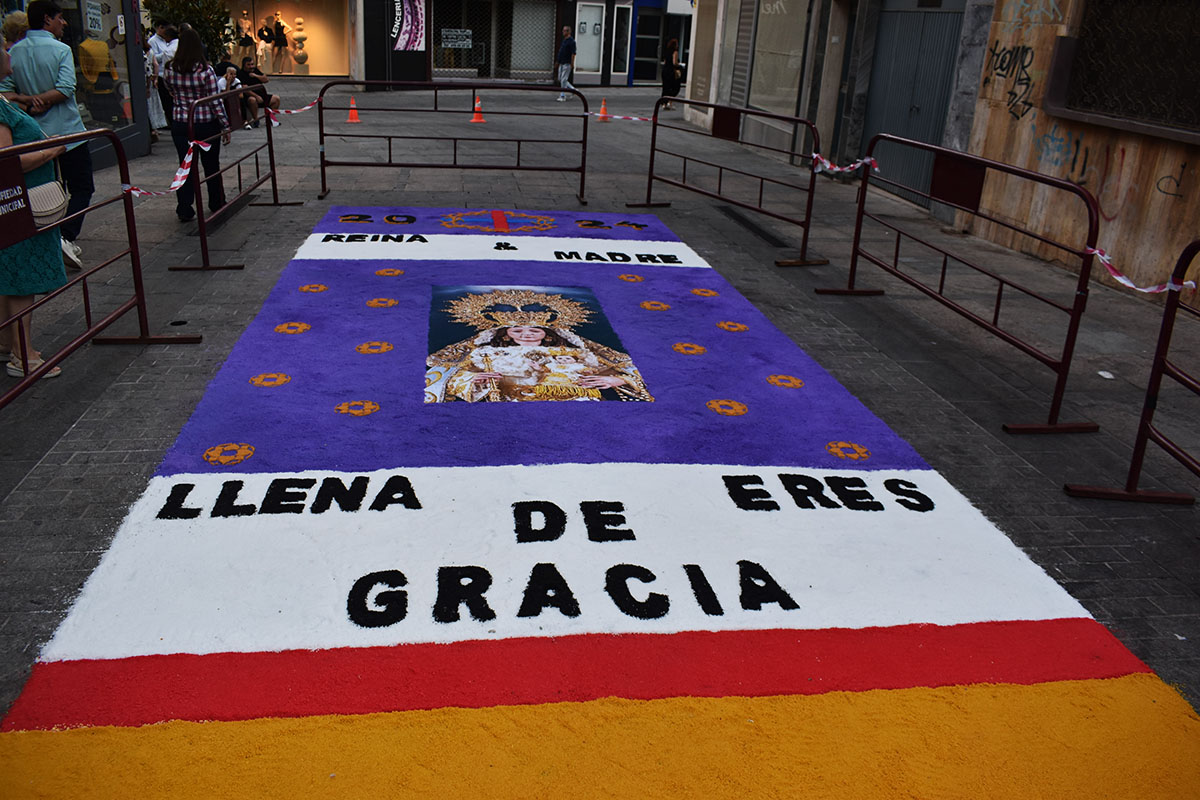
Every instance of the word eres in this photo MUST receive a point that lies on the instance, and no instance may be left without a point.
(832, 491)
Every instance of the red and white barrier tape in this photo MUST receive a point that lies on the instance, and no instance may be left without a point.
(181, 174)
(616, 116)
(1105, 259)
(823, 164)
(272, 112)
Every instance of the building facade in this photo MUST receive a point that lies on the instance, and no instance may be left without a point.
(618, 42)
(1099, 92)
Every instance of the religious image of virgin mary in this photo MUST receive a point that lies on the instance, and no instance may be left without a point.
(525, 348)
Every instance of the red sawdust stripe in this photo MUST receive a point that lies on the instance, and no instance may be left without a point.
(478, 674)
(499, 221)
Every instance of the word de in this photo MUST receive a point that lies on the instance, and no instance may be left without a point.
(543, 521)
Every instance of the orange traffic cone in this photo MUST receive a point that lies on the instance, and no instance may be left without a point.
(478, 112)
(604, 110)
(353, 112)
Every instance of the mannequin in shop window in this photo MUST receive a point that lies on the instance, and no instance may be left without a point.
(244, 41)
(266, 35)
(281, 57)
(100, 77)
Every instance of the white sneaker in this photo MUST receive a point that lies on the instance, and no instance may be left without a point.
(562, 98)
(72, 256)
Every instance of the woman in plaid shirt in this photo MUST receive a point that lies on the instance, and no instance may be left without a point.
(189, 78)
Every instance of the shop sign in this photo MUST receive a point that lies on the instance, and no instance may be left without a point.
(408, 25)
(456, 38)
(95, 19)
(16, 219)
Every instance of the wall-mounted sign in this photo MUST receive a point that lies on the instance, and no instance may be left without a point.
(408, 25)
(456, 38)
(95, 20)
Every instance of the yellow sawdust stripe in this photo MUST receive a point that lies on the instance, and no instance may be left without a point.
(1130, 737)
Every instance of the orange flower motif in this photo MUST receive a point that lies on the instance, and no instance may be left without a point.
(727, 408)
(632, 278)
(357, 408)
(788, 381)
(389, 272)
(655, 305)
(732, 326)
(224, 455)
(688, 349)
(704, 292)
(382, 302)
(374, 347)
(270, 379)
(293, 327)
(313, 288)
(850, 450)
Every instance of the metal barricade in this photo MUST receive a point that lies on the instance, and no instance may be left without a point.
(727, 124)
(94, 326)
(957, 181)
(438, 107)
(1147, 432)
(245, 183)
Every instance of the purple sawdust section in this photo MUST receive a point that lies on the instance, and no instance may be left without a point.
(574, 224)
(296, 426)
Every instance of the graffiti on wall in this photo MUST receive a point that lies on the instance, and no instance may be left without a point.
(1171, 185)
(1033, 11)
(1102, 174)
(1012, 64)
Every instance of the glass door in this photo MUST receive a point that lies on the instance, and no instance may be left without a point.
(649, 46)
(589, 35)
(622, 25)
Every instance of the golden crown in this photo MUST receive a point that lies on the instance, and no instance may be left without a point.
(511, 307)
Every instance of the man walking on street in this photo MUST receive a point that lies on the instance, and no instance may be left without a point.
(43, 82)
(566, 62)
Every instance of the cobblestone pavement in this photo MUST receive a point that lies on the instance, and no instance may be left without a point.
(75, 452)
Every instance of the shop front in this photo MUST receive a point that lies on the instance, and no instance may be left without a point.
(494, 39)
(110, 81)
(293, 37)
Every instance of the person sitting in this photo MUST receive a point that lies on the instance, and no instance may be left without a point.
(253, 78)
(227, 81)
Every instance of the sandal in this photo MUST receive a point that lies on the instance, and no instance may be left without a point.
(15, 370)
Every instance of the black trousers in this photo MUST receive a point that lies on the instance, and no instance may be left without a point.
(211, 161)
(76, 168)
(164, 94)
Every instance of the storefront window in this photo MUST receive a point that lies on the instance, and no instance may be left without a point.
(316, 35)
(778, 53)
(502, 39)
(620, 60)
(96, 34)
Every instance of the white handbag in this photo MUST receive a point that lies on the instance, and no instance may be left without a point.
(48, 201)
